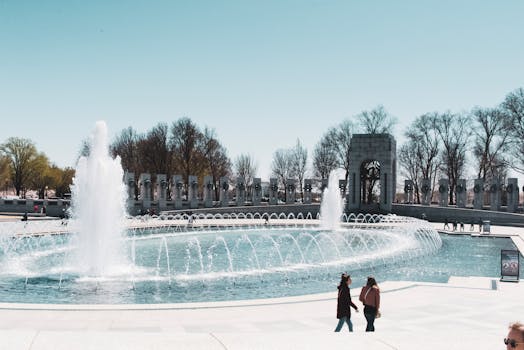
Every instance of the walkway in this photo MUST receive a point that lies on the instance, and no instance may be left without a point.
(470, 313)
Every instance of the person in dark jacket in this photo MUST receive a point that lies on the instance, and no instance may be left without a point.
(344, 303)
(370, 297)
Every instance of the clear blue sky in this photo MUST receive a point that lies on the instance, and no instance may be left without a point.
(261, 73)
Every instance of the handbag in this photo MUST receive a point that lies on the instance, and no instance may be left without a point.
(379, 315)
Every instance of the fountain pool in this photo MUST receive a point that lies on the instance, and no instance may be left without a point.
(229, 259)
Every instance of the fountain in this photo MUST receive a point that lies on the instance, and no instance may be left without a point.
(332, 204)
(98, 206)
(102, 257)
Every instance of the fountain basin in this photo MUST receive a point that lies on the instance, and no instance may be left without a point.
(229, 259)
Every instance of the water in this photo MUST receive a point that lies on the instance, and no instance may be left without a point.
(173, 265)
(98, 206)
(332, 204)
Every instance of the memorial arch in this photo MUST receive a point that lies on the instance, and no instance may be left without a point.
(372, 177)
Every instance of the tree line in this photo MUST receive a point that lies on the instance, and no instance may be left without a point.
(489, 140)
(23, 168)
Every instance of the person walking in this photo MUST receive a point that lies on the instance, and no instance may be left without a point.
(344, 303)
(370, 297)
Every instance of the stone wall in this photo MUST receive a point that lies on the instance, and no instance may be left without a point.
(53, 207)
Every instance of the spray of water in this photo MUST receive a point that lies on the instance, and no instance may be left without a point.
(332, 205)
(98, 203)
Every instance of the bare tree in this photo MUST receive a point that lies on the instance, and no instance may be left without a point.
(154, 150)
(245, 167)
(216, 160)
(424, 145)
(298, 158)
(409, 164)
(125, 146)
(324, 159)
(491, 141)
(339, 140)
(514, 106)
(376, 121)
(454, 131)
(186, 147)
(281, 166)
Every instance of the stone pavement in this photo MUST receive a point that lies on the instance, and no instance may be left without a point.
(465, 313)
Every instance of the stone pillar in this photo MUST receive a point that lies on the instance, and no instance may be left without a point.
(257, 191)
(273, 191)
(308, 187)
(129, 181)
(494, 195)
(161, 190)
(478, 194)
(460, 193)
(408, 191)
(208, 191)
(512, 190)
(443, 190)
(290, 191)
(161, 187)
(30, 204)
(224, 191)
(241, 191)
(177, 190)
(366, 149)
(145, 190)
(425, 189)
(193, 192)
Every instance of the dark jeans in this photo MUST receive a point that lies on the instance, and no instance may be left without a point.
(370, 313)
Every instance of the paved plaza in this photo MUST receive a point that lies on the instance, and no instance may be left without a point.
(465, 313)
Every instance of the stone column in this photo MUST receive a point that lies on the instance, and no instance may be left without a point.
(443, 189)
(257, 191)
(478, 194)
(512, 190)
(290, 191)
(425, 189)
(494, 195)
(129, 180)
(193, 192)
(408, 191)
(145, 190)
(224, 191)
(208, 191)
(273, 191)
(177, 191)
(161, 191)
(241, 191)
(460, 193)
(308, 187)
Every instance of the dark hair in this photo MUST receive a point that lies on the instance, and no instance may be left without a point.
(371, 281)
(344, 279)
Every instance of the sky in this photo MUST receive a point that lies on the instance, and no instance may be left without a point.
(262, 74)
